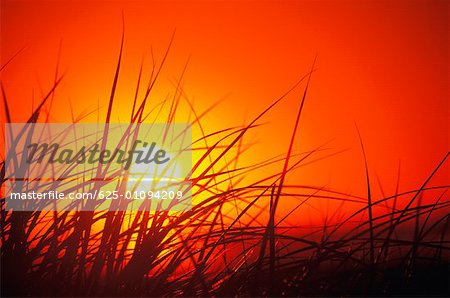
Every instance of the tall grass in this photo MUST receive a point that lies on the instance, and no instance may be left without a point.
(234, 241)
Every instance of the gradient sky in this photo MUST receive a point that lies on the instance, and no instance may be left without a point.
(380, 64)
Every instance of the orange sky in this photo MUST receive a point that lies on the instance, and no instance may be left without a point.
(381, 64)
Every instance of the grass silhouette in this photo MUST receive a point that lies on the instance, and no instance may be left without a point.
(210, 251)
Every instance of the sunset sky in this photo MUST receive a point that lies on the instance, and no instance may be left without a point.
(382, 65)
(306, 146)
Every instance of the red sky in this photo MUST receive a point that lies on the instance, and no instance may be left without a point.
(381, 64)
